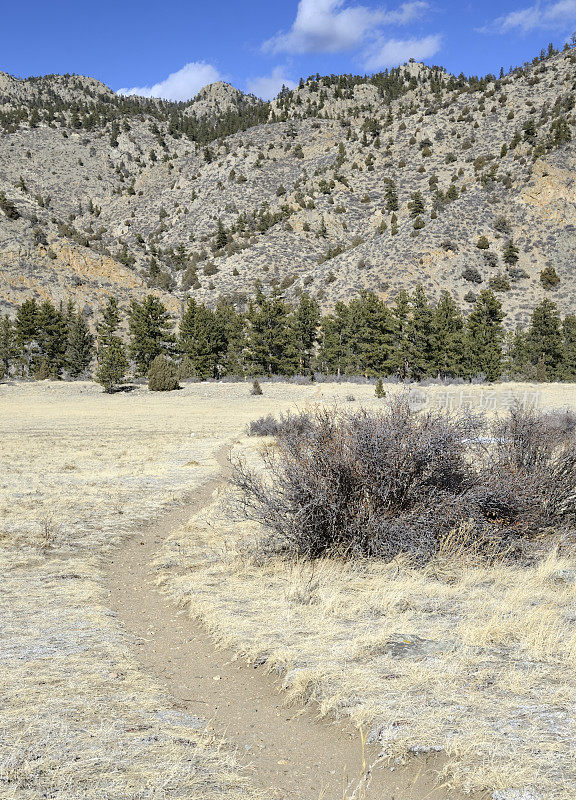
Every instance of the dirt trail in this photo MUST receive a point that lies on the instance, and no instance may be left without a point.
(288, 752)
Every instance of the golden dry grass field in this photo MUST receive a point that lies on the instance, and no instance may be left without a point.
(474, 660)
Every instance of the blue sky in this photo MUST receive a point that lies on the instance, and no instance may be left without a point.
(173, 48)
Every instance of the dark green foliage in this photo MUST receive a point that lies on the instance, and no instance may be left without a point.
(379, 389)
(484, 337)
(448, 337)
(79, 347)
(510, 253)
(202, 339)
(109, 322)
(333, 350)
(306, 321)
(549, 278)
(271, 342)
(150, 327)
(8, 346)
(391, 197)
(417, 206)
(162, 375)
(371, 336)
(544, 342)
(112, 363)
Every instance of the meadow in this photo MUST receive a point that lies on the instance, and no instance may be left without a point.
(471, 659)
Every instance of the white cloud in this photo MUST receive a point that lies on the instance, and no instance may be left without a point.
(325, 26)
(391, 52)
(268, 86)
(405, 13)
(550, 16)
(181, 85)
(330, 26)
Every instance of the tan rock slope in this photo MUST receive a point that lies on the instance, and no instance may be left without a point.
(113, 195)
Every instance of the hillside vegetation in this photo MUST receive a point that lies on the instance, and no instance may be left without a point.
(345, 183)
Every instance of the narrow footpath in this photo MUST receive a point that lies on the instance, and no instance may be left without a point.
(288, 753)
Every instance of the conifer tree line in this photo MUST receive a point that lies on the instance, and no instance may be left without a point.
(411, 338)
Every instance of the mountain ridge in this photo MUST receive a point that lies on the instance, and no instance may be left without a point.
(204, 198)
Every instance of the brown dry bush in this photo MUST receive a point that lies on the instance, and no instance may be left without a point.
(380, 483)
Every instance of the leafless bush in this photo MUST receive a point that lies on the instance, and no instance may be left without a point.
(379, 483)
(264, 426)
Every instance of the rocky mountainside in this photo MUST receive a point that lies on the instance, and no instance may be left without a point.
(347, 182)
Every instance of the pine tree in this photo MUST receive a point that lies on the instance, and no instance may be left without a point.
(421, 335)
(150, 327)
(80, 346)
(568, 364)
(391, 197)
(544, 338)
(371, 336)
(52, 339)
(112, 363)
(333, 349)
(221, 239)
(510, 253)
(484, 337)
(8, 346)
(202, 339)
(306, 320)
(26, 327)
(232, 324)
(110, 321)
(417, 206)
(448, 336)
(271, 341)
(401, 313)
(379, 389)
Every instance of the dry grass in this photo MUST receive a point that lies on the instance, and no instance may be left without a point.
(79, 470)
(473, 659)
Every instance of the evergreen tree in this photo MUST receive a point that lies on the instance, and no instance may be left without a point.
(232, 323)
(391, 196)
(371, 336)
(271, 341)
(52, 338)
(417, 206)
(401, 312)
(221, 239)
(112, 363)
(80, 346)
(510, 253)
(8, 346)
(333, 350)
(26, 327)
(448, 336)
(544, 339)
(484, 337)
(202, 339)
(109, 322)
(568, 363)
(421, 335)
(306, 320)
(150, 327)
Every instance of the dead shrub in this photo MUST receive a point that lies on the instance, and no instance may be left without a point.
(380, 483)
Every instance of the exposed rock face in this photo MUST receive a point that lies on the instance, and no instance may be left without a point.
(115, 194)
(219, 98)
